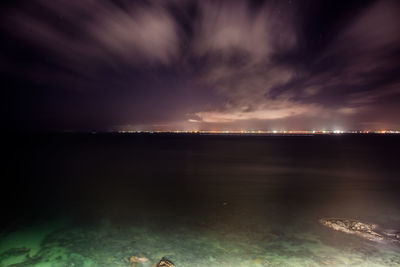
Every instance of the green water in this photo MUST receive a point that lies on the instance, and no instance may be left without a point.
(229, 237)
(198, 200)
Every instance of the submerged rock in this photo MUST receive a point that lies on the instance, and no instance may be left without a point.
(14, 252)
(164, 262)
(368, 231)
(136, 259)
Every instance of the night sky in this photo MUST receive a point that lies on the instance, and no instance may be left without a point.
(200, 65)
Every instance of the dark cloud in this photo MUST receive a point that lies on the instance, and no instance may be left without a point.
(201, 64)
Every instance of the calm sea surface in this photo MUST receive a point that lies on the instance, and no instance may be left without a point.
(199, 200)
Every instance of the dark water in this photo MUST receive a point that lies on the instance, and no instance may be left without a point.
(200, 200)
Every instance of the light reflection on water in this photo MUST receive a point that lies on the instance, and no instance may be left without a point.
(203, 201)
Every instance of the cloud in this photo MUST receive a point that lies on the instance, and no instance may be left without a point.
(141, 33)
(237, 45)
(85, 34)
(271, 111)
(364, 55)
(240, 46)
(356, 68)
(371, 96)
(207, 62)
(225, 29)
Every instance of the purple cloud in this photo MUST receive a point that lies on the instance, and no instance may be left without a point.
(194, 64)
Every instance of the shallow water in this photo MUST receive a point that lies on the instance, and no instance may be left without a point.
(97, 200)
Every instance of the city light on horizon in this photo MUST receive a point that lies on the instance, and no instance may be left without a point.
(258, 132)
